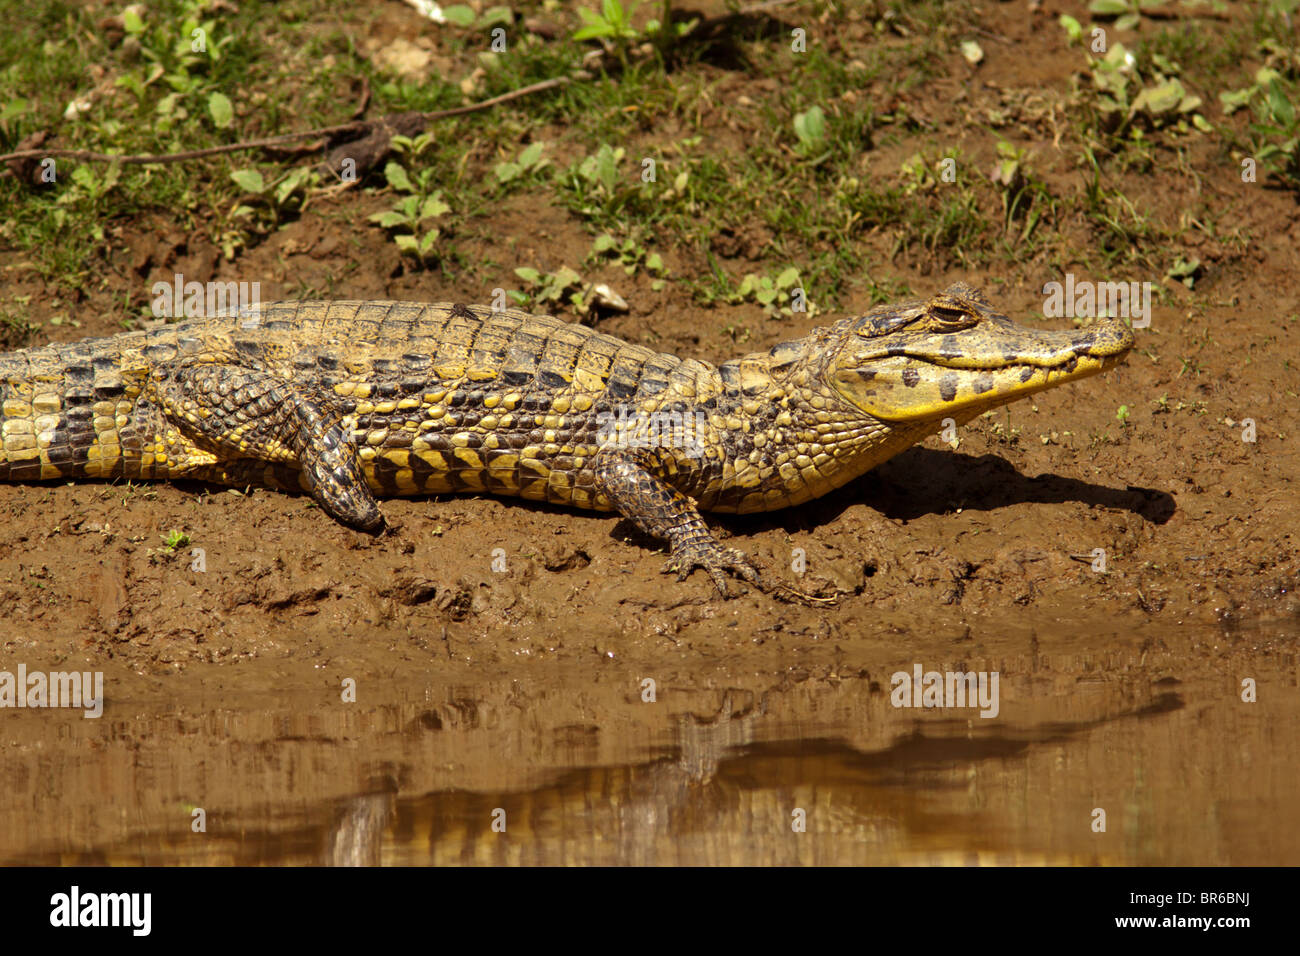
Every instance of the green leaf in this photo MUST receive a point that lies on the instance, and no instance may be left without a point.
(407, 243)
(595, 26)
(1108, 8)
(529, 157)
(613, 13)
(427, 242)
(654, 262)
(566, 277)
(433, 207)
(606, 168)
(388, 219)
(289, 185)
(458, 15)
(132, 22)
(810, 126)
(788, 278)
(1280, 105)
(14, 108)
(528, 274)
(506, 172)
(1128, 21)
(221, 111)
(1073, 29)
(397, 177)
(1160, 99)
(249, 180)
(1233, 100)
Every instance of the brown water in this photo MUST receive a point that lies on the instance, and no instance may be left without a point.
(713, 772)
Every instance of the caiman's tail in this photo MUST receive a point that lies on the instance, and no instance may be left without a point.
(65, 412)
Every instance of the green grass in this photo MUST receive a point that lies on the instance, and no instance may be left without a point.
(802, 161)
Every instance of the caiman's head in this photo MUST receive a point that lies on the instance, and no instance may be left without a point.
(954, 356)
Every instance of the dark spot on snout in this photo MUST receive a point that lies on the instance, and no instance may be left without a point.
(1026, 373)
(983, 383)
(948, 387)
(910, 377)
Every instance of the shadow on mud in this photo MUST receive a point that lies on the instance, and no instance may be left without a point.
(923, 481)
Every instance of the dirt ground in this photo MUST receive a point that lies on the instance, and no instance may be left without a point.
(223, 684)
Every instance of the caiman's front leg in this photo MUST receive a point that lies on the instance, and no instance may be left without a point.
(242, 414)
(631, 480)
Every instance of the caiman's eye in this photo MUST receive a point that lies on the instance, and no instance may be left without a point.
(953, 320)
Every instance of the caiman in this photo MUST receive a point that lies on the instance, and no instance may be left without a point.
(350, 400)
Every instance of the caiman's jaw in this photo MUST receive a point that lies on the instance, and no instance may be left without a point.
(954, 356)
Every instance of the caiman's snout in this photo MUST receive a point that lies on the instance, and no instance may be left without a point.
(954, 356)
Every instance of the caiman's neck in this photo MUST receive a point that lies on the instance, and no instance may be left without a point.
(795, 365)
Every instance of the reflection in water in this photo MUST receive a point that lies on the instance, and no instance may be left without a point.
(820, 770)
(722, 797)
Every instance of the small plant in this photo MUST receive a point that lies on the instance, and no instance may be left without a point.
(172, 541)
(562, 286)
(530, 161)
(1184, 271)
(181, 52)
(1123, 95)
(1276, 131)
(421, 204)
(1128, 13)
(266, 202)
(1024, 196)
(810, 130)
(462, 16)
(612, 23)
(1121, 416)
(612, 26)
(16, 329)
(771, 292)
(631, 255)
(596, 187)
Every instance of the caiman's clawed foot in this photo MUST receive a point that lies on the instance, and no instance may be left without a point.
(716, 560)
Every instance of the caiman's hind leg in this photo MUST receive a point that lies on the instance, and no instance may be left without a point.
(242, 414)
(630, 479)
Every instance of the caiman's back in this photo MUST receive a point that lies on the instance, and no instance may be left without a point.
(435, 398)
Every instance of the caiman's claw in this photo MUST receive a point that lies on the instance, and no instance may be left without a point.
(716, 560)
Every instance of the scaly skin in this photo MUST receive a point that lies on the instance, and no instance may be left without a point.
(352, 400)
